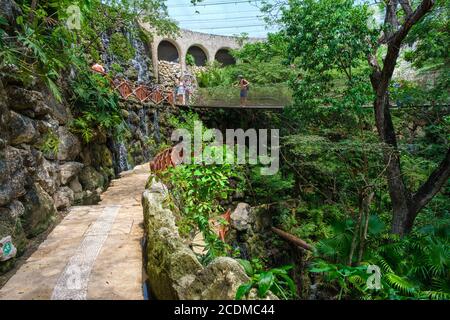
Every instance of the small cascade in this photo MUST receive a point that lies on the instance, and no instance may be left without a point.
(140, 60)
(144, 126)
(107, 58)
(143, 121)
(122, 157)
(157, 134)
(240, 244)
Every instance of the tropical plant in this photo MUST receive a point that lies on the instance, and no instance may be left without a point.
(276, 280)
(190, 60)
(50, 143)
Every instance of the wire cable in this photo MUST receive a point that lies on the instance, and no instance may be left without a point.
(198, 5)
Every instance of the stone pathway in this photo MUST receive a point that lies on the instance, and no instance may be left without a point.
(94, 253)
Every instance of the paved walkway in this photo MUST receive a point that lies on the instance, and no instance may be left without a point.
(94, 253)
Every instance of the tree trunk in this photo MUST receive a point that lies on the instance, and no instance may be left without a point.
(397, 189)
(405, 205)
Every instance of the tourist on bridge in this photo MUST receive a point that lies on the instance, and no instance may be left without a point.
(244, 85)
(181, 92)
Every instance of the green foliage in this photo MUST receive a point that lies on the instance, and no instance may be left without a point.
(190, 60)
(431, 39)
(198, 191)
(276, 280)
(415, 266)
(120, 47)
(331, 34)
(41, 46)
(261, 63)
(50, 143)
(214, 76)
(95, 106)
(269, 188)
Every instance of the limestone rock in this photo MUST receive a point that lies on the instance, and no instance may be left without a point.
(60, 111)
(91, 179)
(16, 209)
(104, 155)
(10, 10)
(240, 218)
(39, 210)
(12, 175)
(63, 198)
(172, 267)
(4, 117)
(68, 170)
(46, 126)
(90, 197)
(134, 118)
(22, 129)
(21, 100)
(47, 176)
(218, 281)
(69, 145)
(131, 73)
(76, 186)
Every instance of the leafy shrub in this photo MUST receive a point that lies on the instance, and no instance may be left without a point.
(50, 143)
(276, 280)
(190, 60)
(120, 47)
(96, 107)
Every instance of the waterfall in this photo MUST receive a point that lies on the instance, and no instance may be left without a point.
(123, 157)
(144, 126)
(156, 126)
(140, 61)
(107, 58)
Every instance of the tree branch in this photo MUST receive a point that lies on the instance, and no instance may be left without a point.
(406, 6)
(395, 42)
(432, 186)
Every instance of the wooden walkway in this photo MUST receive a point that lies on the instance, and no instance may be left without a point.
(238, 107)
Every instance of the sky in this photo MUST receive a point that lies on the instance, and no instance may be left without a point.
(223, 17)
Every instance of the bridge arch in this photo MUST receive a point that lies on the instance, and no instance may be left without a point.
(224, 57)
(168, 50)
(200, 54)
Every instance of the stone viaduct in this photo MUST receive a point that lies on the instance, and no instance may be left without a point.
(203, 47)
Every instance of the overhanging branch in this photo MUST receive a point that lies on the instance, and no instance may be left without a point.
(432, 186)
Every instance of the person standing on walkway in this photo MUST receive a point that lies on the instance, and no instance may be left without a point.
(181, 92)
(244, 85)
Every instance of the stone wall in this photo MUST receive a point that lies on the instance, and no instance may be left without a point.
(210, 44)
(36, 182)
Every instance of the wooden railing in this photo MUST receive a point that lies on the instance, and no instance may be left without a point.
(143, 93)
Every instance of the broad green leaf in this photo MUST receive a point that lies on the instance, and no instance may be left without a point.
(265, 282)
(243, 290)
(247, 266)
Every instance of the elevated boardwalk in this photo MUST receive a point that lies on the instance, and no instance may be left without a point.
(237, 107)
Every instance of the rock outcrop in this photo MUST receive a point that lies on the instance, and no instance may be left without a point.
(35, 182)
(172, 267)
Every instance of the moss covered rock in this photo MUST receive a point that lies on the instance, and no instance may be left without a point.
(91, 179)
(172, 267)
(39, 210)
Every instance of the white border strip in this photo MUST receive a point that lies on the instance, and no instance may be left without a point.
(73, 282)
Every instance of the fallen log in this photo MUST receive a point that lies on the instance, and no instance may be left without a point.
(292, 239)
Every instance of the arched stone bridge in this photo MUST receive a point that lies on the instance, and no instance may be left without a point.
(203, 47)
